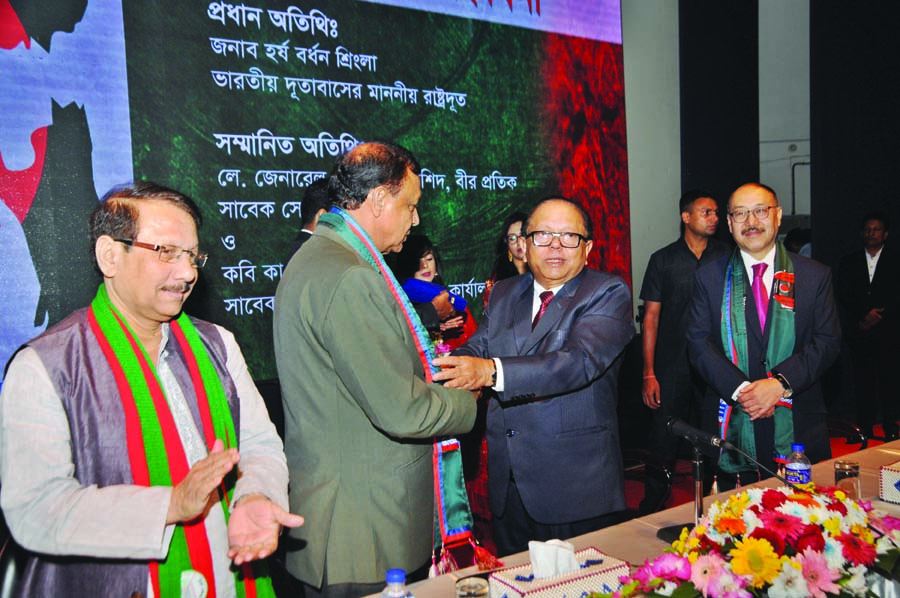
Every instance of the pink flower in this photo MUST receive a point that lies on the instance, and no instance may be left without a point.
(819, 578)
(888, 523)
(707, 567)
(665, 567)
(786, 526)
(728, 585)
(671, 566)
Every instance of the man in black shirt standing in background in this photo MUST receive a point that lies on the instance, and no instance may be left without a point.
(670, 387)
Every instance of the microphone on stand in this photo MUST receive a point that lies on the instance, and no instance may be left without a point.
(697, 437)
(679, 427)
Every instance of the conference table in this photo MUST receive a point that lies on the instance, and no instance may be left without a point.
(635, 540)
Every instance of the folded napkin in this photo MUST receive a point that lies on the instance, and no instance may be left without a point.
(553, 557)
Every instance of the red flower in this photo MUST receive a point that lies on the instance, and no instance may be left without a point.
(856, 550)
(810, 537)
(837, 506)
(771, 537)
(772, 499)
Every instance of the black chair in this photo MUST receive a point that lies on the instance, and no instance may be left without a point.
(848, 432)
(12, 562)
(642, 466)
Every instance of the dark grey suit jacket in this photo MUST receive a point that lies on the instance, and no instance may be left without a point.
(554, 426)
(818, 340)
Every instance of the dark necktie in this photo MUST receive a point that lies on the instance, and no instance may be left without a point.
(546, 298)
(760, 296)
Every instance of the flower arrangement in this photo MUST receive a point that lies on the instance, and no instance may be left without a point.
(776, 542)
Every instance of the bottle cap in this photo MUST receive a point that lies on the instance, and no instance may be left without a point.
(395, 576)
(797, 447)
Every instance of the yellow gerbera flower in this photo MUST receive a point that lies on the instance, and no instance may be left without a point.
(755, 557)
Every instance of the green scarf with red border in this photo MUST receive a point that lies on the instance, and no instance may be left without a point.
(734, 424)
(155, 451)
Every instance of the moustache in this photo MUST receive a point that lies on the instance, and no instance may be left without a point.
(178, 288)
(752, 229)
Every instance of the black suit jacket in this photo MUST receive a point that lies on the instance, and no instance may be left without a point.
(554, 426)
(817, 344)
(857, 296)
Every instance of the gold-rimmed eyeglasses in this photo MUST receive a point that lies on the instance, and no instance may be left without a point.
(168, 253)
(741, 214)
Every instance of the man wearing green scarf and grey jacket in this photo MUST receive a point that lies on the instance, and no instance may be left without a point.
(361, 410)
(764, 328)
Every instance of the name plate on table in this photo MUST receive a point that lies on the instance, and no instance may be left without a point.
(597, 572)
(889, 483)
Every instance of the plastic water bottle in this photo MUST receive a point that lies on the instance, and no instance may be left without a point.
(798, 470)
(396, 585)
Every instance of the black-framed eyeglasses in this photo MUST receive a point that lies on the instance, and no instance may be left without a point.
(168, 253)
(512, 238)
(741, 214)
(543, 238)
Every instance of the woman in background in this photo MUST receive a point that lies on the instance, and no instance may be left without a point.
(509, 252)
(418, 268)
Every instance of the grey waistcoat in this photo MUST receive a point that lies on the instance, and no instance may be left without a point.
(85, 384)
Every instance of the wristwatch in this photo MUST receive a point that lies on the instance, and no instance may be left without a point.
(494, 375)
(788, 391)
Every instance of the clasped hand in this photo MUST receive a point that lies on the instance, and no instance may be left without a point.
(758, 399)
(255, 522)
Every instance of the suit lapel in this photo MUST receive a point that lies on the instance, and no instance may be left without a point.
(552, 317)
(522, 314)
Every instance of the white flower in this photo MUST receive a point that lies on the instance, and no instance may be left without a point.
(789, 583)
(883, 545)
(856, 585)
(666, 589)
(795, 509)
(834, 554)
(752, 520)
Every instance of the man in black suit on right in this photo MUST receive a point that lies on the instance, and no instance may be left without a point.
(764, 329)
(868, 292)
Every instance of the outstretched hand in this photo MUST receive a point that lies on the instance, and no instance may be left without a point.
(254, 527)
(192, 496)
(469, 373)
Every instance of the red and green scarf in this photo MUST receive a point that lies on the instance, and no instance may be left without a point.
(734, 424)
(452, 519)
(155, 451)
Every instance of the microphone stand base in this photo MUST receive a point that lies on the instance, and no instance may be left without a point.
(671, 533)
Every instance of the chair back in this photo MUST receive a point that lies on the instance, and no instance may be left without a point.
(846, 437)
(12, 565)
(642, 468)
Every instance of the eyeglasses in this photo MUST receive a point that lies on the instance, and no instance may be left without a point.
(543, 238)
(761, 213)
(168, 253)
(510, 239)
(707, 212)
